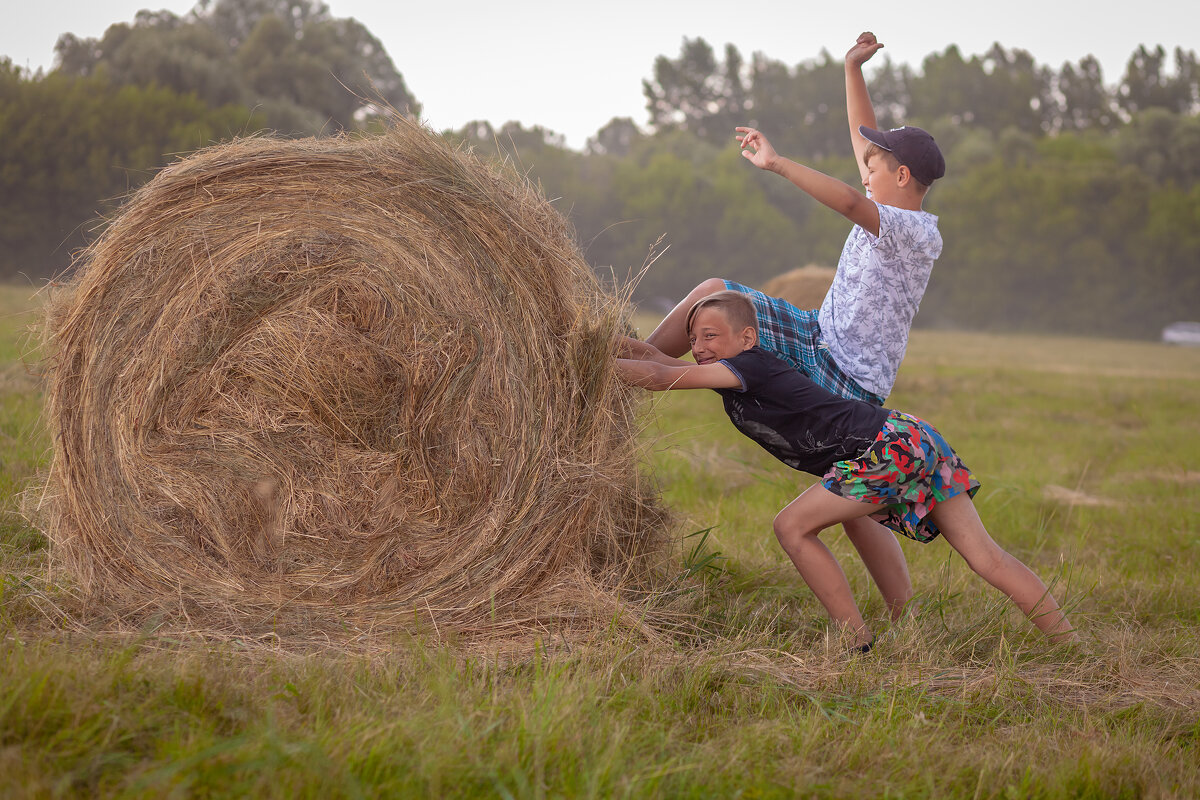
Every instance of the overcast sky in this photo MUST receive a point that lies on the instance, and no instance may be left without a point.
(572, 66)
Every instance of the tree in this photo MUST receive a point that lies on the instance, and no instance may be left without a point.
(74, 146)
(306, 70)
(1162, 145)
(1085, 101)
(1069, 240)
(1147, 85)
(802, 109)
(580, 186)
(709, 208)
(617, 138)
(1000, 89)
(1017, 91)
(697, 94)
(891, 93)
(235, 22)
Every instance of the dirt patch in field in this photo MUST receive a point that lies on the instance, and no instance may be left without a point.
(1181, 476)
(1075, 497)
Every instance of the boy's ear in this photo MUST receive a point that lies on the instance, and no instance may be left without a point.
(903, 176)
(749, 337)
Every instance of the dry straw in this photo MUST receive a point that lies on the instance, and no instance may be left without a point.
(352, 384)
(804, 287)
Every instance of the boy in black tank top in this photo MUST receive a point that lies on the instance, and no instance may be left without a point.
(872, 461)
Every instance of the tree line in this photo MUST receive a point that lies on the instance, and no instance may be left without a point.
(1069, 204)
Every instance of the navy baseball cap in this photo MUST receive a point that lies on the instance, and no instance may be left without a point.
(912, 147)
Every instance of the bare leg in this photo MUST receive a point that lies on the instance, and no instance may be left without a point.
(798, 527)
(670, 337)
(960, 524)
(884, 559)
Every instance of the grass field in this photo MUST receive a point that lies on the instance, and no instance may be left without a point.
(1089, 452)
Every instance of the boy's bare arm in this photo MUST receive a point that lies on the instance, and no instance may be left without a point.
(660, 377)
(841, 197)
(859, 110)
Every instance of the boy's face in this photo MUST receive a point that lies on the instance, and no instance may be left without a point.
(882, 180)
(713, 337)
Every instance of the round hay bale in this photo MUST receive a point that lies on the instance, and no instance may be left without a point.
(364, 381)
(804, 287)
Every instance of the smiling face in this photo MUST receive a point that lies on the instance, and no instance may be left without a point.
(713, 336)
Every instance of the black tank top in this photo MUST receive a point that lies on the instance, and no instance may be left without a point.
(799, 422)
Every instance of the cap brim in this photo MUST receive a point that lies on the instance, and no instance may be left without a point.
(875, 137)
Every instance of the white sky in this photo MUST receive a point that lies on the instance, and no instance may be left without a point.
(571, 66)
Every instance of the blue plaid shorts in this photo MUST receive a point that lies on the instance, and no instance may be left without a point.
(794, 335)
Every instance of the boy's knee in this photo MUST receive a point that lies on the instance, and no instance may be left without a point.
(707, 287)
(988, 563)
(788, 530)
(781, 528)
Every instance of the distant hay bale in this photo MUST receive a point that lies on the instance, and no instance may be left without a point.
(804, 287)
(348, 383)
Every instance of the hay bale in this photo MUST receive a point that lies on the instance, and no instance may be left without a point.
(350, 382)
(804, 287)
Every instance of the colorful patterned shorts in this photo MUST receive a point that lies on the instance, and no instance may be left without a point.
(794, 335)
(908, 470)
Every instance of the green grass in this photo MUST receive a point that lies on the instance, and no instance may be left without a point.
(1088, 455)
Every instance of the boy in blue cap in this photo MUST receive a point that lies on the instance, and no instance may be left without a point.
(854, 344)
(871, 460)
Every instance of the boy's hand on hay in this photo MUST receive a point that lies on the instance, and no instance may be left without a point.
(630, 349)
(637, 350)
(864, 47)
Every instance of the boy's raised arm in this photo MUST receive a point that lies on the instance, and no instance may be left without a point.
(859, 110)
(841, 197)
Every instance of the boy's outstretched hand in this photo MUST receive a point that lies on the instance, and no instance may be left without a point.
(865, 47)
(756, 148)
